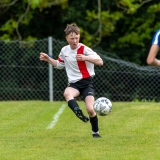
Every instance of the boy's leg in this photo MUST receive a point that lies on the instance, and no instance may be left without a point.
(89, 100)
(78, 112)
(94, 124)
(70, 93)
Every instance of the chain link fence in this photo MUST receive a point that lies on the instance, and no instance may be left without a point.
(24, 77)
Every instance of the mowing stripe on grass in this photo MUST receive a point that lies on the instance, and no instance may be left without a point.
(55, 117)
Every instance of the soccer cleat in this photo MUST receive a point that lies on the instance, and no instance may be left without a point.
(78, 112)
(96, 135)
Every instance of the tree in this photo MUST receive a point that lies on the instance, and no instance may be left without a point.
(122, 27)
(14, 23)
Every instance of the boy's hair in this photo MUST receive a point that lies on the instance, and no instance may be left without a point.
(72, 28)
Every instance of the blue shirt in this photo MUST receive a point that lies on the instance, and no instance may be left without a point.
(156, 38)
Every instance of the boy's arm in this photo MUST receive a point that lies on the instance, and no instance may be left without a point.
(151, 59)
(45, 57)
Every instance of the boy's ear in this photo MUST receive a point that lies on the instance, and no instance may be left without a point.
(66, 37)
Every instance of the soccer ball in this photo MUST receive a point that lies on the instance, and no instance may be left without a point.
(102, 106)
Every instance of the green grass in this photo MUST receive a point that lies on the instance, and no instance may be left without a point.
(130, 132)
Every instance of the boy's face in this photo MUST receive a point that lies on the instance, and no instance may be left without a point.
(73, 40)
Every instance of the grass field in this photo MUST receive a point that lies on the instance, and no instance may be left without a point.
(37, 130)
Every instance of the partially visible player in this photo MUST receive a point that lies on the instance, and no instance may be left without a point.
(151, 59)
(79, 61)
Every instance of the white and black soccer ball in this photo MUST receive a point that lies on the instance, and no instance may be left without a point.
(102, 106)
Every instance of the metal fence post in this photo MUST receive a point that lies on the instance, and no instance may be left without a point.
(50, 70)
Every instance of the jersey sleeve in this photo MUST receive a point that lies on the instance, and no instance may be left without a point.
(156, 38)
(60, 61)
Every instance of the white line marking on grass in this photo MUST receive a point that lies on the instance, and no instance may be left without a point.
(56, 117)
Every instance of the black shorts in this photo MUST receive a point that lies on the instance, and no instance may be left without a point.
(84, 86)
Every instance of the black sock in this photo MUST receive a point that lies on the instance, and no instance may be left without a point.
(94, 123)
(72, 104)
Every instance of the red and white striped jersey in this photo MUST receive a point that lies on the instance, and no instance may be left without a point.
(76, 70)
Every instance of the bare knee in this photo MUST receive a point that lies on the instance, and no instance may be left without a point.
(70, 93)
(65, 94)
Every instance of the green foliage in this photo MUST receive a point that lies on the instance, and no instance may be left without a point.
(23, 18)
(35, 3)
(137, 31)
(130, 5)
(154, 8)
(108, 20)
(111, 25)
(41, 4)
(8, 28)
